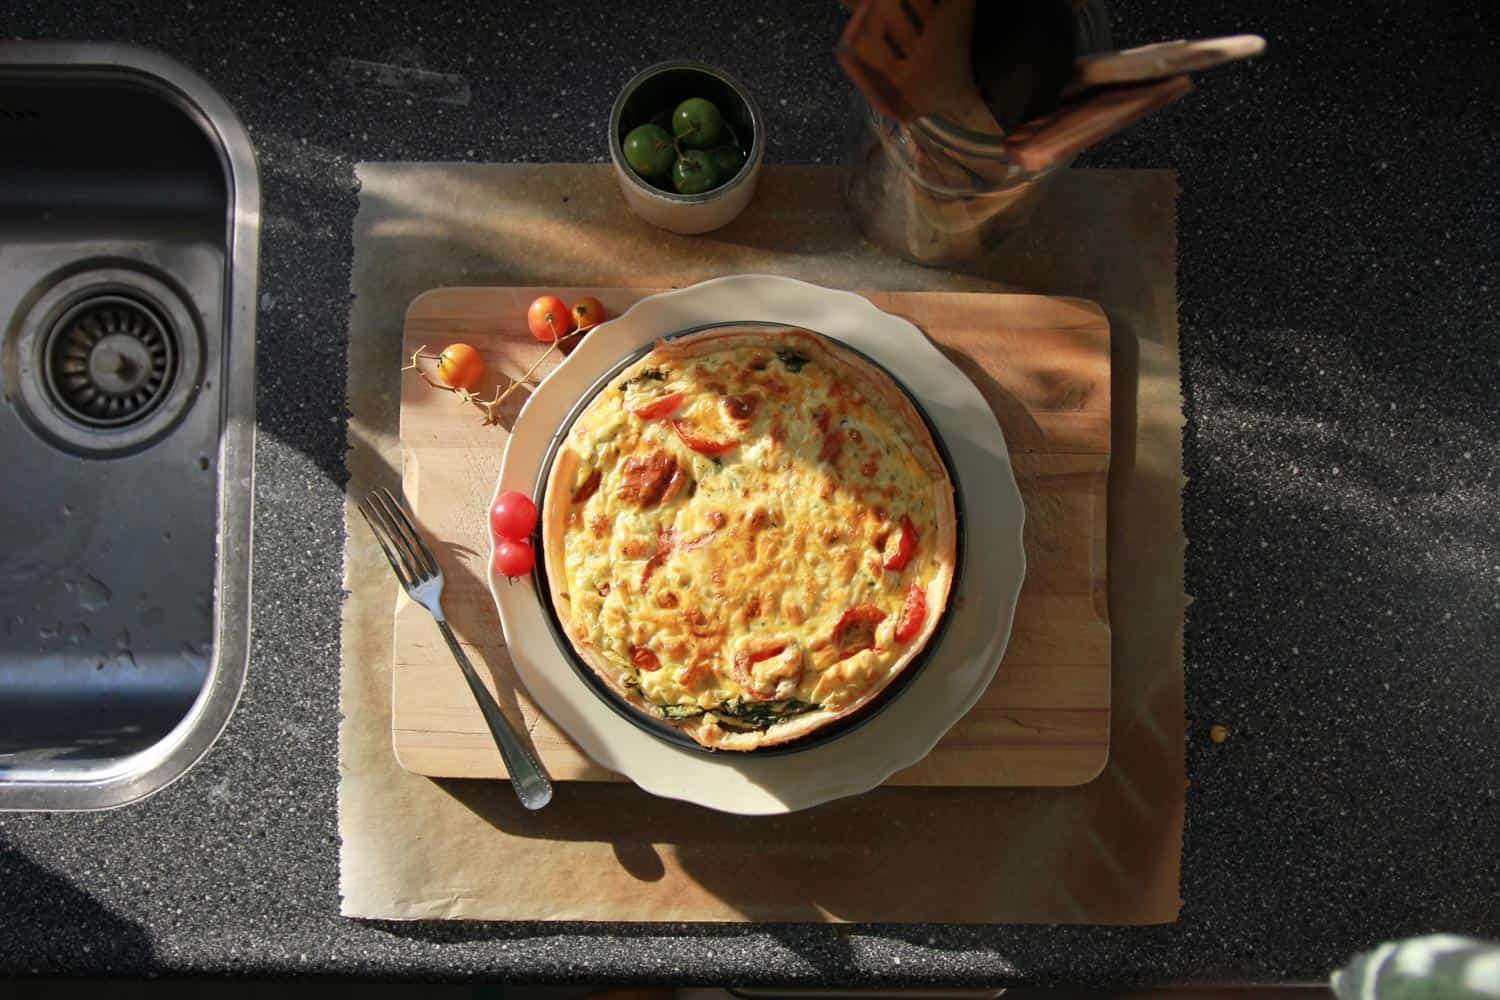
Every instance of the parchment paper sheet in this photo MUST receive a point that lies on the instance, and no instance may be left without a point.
(1107, 852)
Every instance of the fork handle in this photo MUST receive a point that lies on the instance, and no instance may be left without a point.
(526, 775)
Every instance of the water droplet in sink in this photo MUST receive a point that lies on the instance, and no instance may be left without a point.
(91, 592)
(77, 633)
(50, 631)
(67, 510)
(124, 656)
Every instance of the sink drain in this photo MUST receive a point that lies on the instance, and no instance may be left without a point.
(109, 361)
(105, 361)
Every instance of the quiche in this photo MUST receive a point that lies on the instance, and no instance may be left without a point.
(748, 534)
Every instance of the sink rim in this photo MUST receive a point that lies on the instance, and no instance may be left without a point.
(131, 778)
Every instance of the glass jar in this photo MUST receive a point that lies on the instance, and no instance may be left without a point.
(937, 193)
(933, 192)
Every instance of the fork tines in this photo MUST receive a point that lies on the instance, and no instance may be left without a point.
(398, 538)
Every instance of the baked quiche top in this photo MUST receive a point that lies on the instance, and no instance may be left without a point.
(749, 533)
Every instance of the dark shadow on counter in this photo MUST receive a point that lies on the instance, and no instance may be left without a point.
(826, 948)
(53, 926)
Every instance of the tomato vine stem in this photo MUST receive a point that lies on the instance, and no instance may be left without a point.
(502, 391)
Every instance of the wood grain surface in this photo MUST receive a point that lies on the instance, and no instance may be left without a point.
(1043, 365)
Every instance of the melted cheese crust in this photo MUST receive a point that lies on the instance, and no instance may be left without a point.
(759, 550)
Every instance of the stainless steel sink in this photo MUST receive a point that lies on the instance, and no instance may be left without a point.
(129, 242)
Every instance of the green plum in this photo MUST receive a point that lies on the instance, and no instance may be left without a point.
(649, 150)
(698, 124)
(694, 173)
(727, 160)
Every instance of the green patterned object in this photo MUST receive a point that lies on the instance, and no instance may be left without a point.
(1439, 967)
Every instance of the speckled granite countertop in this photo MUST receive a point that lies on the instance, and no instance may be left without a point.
(1340, 240)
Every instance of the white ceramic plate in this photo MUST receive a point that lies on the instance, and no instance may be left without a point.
(980, 611)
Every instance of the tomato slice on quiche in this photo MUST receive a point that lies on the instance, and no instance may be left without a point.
(749, 534)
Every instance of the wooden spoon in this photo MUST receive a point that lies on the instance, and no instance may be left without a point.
(1047, 141)
(1164, 59)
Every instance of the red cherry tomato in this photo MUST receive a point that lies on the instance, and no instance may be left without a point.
(588, 311)
(744, 660)
(701, 445)
(644, 660)
(460, 366)
(659, 407)
(856, 629)
(513, 557)
(513, 515)
(549, 319)
(766, 654)
(913, 613)
(906, 546)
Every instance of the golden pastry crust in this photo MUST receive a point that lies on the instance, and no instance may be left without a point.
(739, 528)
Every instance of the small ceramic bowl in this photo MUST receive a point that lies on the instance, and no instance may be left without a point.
(661, 88)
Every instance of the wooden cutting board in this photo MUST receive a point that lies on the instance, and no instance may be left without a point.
(1042, 363)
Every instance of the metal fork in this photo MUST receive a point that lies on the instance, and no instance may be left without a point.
(419, 573)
